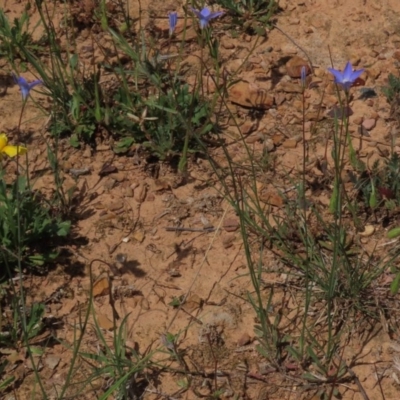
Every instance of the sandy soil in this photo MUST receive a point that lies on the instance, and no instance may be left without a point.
(123, 221)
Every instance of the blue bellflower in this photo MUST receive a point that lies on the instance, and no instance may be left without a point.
(205, 16)
(173, 19)
(347, 77)
(25, 86)
(303, 76)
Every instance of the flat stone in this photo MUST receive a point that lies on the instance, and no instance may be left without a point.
(119, 176)
(289, 144)
(207, 80)
(128, 192)
(289, 49)
(231, 224)
(271, 198)
(294, 66)
(289, 87)
(109, 184)
(256, 137)
(116, 206)
(87, 153)
(244, 340)
(52, 361)
(268, 145)
(294, 21)
(277, 139)
(227, 240)
(280, 98)
(227, 44)
(357, 120)
(248, 127)
(369, 124)
(314, 116)
(250, 95)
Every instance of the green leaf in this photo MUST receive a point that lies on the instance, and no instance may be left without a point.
(393, 233)
(37, 351)
(175, 302)
(394, 287)
(315, 358)
(258, 331)
(183, 383)
(74, 141)
(310, 377)
(123, 145)
(262, 351)
(171, 337)
(73, 61)
(206, 129)
(373, 201)
(169, 110)
(6, 383)
(35, 320)
(123, 27)
(333, 203)
(64, 228)
(295, 354)
(37, 259)
(259, 30)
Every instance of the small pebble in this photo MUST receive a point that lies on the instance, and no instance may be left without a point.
(231, 224)
(244, 340)
(257, 137)
(268, 146)
(289, 144)
(119, 176)
(109, 184)
(87, 153)
(227, 45)
(116, 206)
(248, 127)
(368, 231)
(369, 124)
(227, 241)
(357, 120)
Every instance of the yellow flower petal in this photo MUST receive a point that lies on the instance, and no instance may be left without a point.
(3, 141)
(12, 151)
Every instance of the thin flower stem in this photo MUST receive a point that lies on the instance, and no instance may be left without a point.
(19, 141)
(297, 45)
(304, 207)
(19, 255)
(304, 150)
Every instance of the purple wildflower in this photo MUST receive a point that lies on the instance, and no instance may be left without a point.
(205, 16)
(347, 77)
(173, 19)
(25, 86)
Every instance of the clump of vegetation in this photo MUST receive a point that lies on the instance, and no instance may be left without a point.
(16, 36)
(380, 185)
(392, 91)
(253, 16)
(39, 224)
(140, 98)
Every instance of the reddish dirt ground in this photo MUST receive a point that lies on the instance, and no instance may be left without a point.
(122, 220)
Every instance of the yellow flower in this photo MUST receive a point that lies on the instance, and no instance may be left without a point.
(11, 151)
